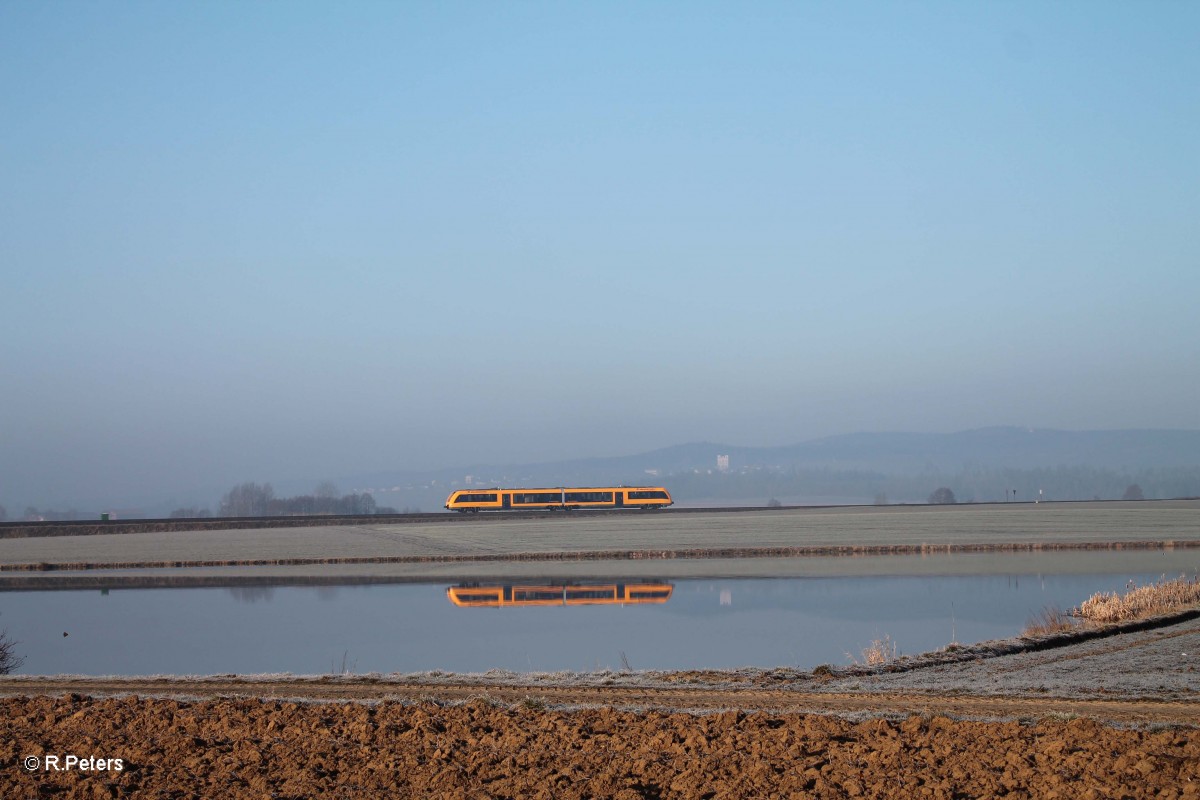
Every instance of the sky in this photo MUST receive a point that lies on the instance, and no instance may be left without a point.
(283, 241)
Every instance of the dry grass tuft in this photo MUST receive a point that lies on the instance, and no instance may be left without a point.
(880, 651)
(1049, 620)
(1140, 601)
(534, 704)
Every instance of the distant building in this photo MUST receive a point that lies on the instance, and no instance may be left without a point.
(469, 479)
(723, 463)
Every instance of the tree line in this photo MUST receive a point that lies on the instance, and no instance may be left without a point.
(245, 500)
(259, 500)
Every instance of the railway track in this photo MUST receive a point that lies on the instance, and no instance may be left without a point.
(19, 530)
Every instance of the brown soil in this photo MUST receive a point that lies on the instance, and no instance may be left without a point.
(234, 748)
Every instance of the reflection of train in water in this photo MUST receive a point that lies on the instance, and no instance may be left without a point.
(560, 594)
(560, 498)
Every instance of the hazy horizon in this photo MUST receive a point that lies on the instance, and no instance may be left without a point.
(206, 496)
(290, 243)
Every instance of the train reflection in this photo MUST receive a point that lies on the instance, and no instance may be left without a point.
(570, 594)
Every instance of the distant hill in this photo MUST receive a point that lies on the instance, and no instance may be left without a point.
(986, 464)
(1019, 448)
(894, 455)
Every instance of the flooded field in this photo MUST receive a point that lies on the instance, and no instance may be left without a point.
(393, 598)
(527, 625)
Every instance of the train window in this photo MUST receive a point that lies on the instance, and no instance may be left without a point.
(652, 594)
(589, 594)
(589, 497)
(478, 598)
(535, 594)
(648, 495)
(476, 498)
(538, 497)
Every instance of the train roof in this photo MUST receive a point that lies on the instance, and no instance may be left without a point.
(559, 488)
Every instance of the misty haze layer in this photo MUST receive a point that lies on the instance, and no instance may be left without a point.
(288, 243)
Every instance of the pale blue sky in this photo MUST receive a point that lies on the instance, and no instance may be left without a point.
(278, 241)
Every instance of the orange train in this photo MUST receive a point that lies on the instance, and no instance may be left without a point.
(560, 595)
(646, 497)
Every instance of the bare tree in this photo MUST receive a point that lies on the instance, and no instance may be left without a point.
(942, 497)
(9, 660)
(326, 489)
(191, 512)
(1134, 492)
(247, 500)
(3, 514)
(358, 504)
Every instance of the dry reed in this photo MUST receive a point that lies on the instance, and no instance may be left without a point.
(880, 651)
(1049, 620)
(1140, 601)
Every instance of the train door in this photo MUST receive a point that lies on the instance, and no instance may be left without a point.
(619, 498)
(506, 500)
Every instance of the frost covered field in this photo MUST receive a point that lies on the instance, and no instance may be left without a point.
(1171, 522)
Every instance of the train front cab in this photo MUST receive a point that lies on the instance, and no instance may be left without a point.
(645, 497)
(490, 500)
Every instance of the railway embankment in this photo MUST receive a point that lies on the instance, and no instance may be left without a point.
(749, 543)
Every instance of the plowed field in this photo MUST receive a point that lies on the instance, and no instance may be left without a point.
(269, 748)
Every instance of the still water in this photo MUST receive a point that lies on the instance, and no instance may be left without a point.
(681, 624)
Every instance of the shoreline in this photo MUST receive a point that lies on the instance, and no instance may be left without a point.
(886, 688)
